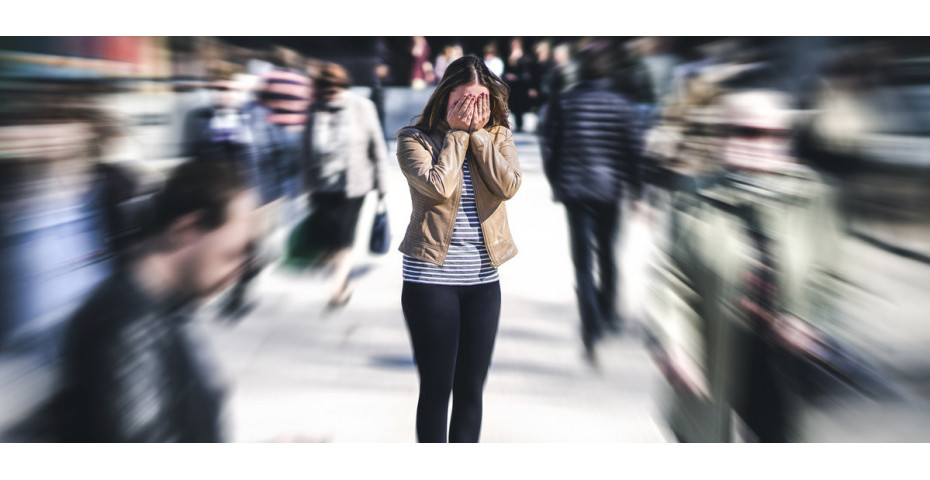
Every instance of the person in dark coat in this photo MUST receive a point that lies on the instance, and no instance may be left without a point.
(132, 368)
(543, 64)
(591, 154)
(519, 77)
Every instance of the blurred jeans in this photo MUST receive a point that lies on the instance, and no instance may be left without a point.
(291, 180)
(593, 228)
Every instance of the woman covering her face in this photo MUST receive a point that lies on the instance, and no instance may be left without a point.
(461, 165)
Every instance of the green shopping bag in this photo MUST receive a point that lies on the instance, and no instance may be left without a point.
(302, 250)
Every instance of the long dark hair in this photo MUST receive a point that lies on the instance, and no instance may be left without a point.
(464, 71)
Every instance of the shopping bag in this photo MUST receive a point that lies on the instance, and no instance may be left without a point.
(303, 251)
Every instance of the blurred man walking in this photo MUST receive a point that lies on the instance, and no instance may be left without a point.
(591, 149)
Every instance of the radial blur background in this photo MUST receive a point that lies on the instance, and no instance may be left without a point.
(775, 271)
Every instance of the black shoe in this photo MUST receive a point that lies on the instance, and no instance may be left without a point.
(243, 311)
(590, 339)
(590, 355)
(613, 324)
(615, 328)
(233, 304)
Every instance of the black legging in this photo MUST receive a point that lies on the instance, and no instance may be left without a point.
(452, 329)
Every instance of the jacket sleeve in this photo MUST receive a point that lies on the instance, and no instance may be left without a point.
(497, 165)
(377, 150)
(435, 180)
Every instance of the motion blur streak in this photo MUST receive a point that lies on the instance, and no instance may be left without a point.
(749, 216)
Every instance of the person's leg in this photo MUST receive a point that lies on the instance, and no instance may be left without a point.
(320, 235)
(581, 231)
(763, 407)
(480, 312)
(377, 97)
(236, 305)
(432, 316)
(607, 221)
(341, 286)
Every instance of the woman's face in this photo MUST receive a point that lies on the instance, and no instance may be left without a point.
(462, 90)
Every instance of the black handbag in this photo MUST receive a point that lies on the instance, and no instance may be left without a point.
(380, 240)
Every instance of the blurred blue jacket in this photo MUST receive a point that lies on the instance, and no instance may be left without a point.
(257, 150)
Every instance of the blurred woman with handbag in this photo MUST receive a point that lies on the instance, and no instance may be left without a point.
(344, 159)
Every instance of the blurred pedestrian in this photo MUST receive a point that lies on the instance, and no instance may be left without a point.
(235, 130)
(219, 130)
(519, 76)
(283, 100)
(651, 74)
(421, 70)
(449, 54)
(559, 75)
(286, 91)
(239, 132)
(543, 63)
(492, 61)
(461, 165)
(660, 63)
(133, 370)
(381, 60)
(591, 154)
(564, 75)
(61, 231)
(344, 159)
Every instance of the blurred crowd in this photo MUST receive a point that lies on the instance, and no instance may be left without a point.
(106, 259)
(788, 234)
(780, 182)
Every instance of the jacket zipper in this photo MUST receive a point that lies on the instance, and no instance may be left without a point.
(480, 221)
(455, 213)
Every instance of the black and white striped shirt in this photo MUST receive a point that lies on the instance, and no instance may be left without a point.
(467, 262)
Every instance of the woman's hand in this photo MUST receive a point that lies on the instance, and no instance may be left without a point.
(459, 117)
(482, 113)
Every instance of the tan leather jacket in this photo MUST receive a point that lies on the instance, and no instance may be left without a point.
(433, 167)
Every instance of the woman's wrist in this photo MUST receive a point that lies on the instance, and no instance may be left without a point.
(478, 133)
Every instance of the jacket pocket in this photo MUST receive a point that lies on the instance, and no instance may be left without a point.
(496, 227)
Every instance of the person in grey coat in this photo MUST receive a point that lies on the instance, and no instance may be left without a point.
(344, 158)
